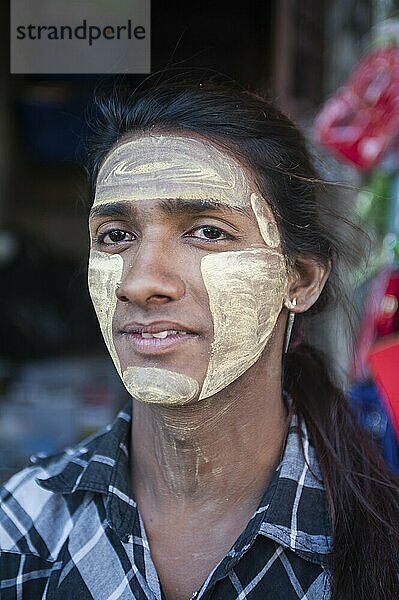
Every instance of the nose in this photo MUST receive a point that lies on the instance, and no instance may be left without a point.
(151, 277)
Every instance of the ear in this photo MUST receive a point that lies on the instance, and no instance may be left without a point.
(306, 280)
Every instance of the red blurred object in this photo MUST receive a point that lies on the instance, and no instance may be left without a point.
(388, 317)
(384, 364)
(380, 317)
(361, 121)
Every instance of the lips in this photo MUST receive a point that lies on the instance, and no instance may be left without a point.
(155, 327)
(156, 337)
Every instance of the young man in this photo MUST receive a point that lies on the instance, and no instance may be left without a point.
(213, 488)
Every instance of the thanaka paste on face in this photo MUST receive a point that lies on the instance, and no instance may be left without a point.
(160, 386)
(266, 223)
(245, 303)
(245, 288)
(105, 271)
(170, 167)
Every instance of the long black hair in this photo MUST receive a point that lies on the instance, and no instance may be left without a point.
(362, 495)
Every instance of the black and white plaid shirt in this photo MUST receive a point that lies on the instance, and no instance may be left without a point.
(70, 529)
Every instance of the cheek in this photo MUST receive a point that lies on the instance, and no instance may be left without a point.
(246, 291)
(105, 271)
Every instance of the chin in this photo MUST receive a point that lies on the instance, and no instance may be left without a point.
(160, 386)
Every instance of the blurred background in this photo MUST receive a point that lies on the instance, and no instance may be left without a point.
(332, 65)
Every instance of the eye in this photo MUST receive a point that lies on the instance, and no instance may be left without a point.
(211, 233)
(114, 236)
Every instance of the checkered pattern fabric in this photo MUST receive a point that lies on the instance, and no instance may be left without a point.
(70, 529)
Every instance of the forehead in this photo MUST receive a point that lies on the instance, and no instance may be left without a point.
(171, 166)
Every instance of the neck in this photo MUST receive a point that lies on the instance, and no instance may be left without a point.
(220, 451)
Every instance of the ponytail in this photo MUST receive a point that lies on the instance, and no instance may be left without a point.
(362, 495)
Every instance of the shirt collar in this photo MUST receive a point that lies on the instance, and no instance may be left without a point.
(100, 464)
(292, 512)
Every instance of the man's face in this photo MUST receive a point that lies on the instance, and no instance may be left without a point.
(186, 271)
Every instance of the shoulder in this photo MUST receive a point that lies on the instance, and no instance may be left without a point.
(37, 520)
(32, 525)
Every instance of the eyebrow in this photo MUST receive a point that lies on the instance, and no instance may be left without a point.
(110, 209)
(179, 206)
(172, 206)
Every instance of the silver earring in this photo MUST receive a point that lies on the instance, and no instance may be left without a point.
(118, 285)
(290, 323)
